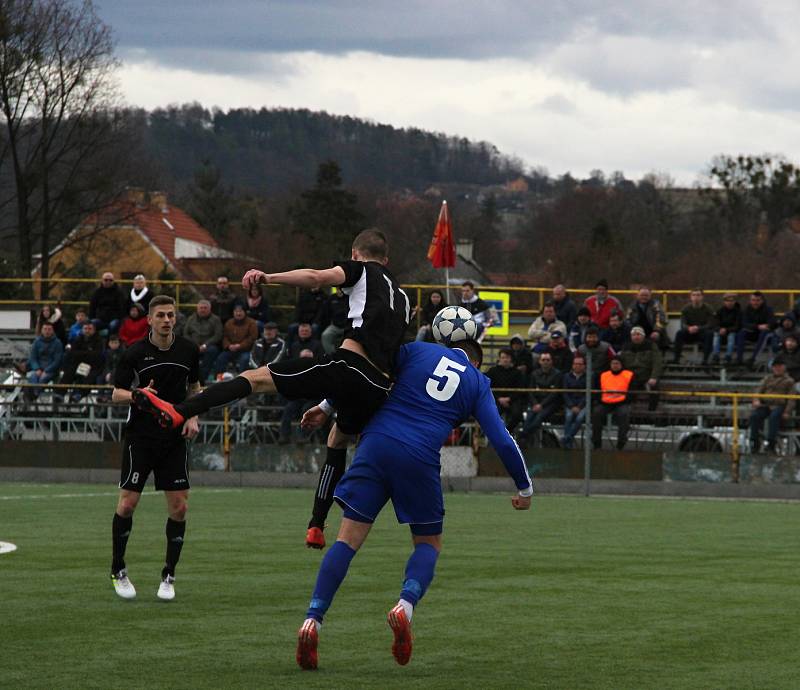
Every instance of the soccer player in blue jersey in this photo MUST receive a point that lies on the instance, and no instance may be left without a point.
(398, 458)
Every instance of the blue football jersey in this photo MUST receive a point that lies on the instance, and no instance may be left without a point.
(436, 389)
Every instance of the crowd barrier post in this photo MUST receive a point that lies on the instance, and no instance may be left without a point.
(226, 437)
(735, 441)
(587, 431)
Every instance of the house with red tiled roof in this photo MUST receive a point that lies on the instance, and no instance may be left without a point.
(142, 233)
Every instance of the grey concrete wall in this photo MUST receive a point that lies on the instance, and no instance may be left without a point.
(456, 484)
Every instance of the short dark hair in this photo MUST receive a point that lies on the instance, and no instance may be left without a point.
(602, 282)
(371, 243)
(593, 330)
(505, 351)
(160, 301)
(468, 283)
(549, 303)
(472, 348)
(757, 293)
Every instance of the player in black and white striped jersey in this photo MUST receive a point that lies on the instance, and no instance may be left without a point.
(354, 379)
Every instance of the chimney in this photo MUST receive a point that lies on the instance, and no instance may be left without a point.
(135, 195)
(464, 249)
(159, 200)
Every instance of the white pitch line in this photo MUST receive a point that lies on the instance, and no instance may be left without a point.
(105, 493)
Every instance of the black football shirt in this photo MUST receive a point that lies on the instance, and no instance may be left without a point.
(379, 310)
(171, 370)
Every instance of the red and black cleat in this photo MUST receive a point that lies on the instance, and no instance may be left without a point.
(165, 414)
(315, 539)
(307, 640)
(403, 639)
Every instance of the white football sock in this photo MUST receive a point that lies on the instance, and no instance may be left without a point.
(408, 607)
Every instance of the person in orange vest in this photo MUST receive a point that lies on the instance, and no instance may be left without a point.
(614, 385)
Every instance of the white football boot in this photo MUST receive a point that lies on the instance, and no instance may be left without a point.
(122, 585)
(166, 590)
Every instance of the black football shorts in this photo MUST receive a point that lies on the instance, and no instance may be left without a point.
(355, 387)
(167, 459)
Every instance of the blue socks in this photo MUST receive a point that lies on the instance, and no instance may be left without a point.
(419, 573)
(332, 571)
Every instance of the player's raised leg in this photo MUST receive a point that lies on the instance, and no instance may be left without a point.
(418, 577)
(332, 572)
(177, 505)
(121, 527)
(172, 416)
(329, 476)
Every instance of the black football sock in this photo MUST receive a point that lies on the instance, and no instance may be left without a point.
(214, 396)
(329, 477)
(175, 531)
(120, 531)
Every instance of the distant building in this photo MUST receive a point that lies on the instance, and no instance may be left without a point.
(141, 233)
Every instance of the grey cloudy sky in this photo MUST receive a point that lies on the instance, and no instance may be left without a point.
(571, 86)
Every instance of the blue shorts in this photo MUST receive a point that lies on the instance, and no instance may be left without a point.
(382, 469)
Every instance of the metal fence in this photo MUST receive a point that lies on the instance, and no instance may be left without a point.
(688, 421)
(524, 301)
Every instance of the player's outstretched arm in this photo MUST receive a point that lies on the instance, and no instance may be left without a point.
(486, 413)
(301, 277)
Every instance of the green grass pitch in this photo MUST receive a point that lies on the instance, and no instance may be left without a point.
(577, 593)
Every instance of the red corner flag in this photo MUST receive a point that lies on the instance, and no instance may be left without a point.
(442, 252)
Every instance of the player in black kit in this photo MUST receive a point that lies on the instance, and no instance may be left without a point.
(354, 380)
(169, 365)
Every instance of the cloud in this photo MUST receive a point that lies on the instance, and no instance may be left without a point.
(418, 28)
(558, 103)
(572, 85)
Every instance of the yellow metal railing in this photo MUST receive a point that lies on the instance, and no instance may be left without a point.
(526, 301)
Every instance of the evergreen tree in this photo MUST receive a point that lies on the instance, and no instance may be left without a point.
(327, 213)
(211, 204)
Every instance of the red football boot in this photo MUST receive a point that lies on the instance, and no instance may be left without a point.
(166, 415)
(315, 539)
(307, 640)
(403, 639)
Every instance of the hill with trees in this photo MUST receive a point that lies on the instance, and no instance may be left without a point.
(271, 151)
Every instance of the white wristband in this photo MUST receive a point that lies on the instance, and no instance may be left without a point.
(326, 407)
(526, 493)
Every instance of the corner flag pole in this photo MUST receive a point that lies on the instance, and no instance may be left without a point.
(442, 250)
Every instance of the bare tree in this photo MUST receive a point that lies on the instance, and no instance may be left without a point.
(58, 94)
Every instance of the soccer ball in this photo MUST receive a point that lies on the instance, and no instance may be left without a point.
(453, 324)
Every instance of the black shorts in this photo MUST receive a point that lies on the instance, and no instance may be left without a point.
(355, 387)
(168, 460)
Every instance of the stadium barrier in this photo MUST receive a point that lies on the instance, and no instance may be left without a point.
(713, 428)
(524, 302)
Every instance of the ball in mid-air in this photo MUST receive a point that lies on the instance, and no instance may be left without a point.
(453, 324)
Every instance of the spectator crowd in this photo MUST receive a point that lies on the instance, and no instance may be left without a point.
(624, 348)
(627, 350)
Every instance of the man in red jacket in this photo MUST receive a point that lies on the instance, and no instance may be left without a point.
(135, 327)
(602, 305)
